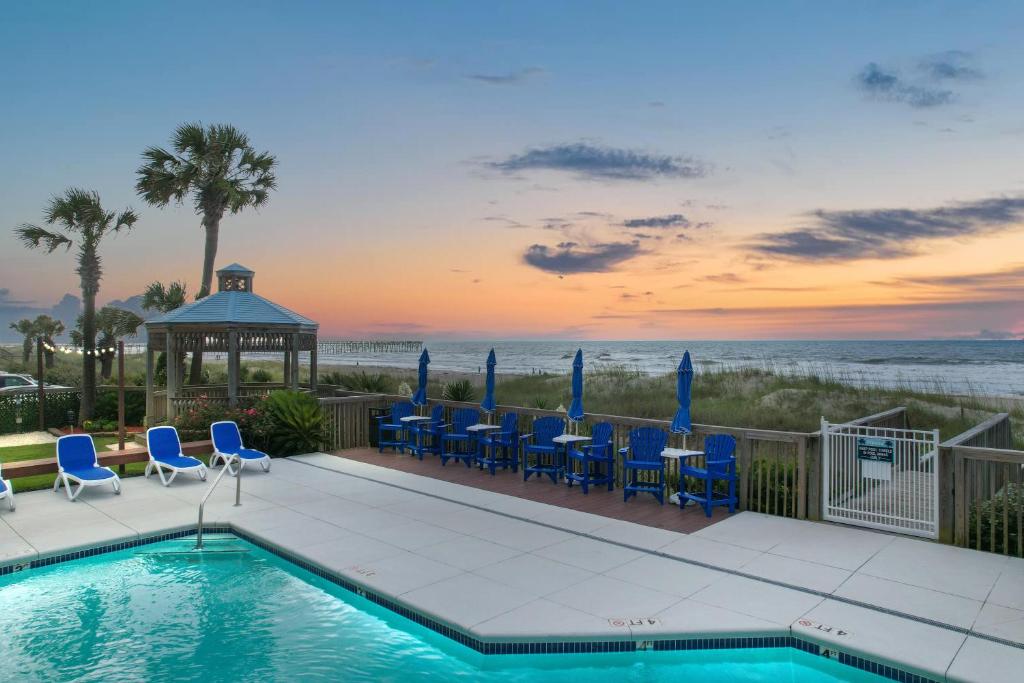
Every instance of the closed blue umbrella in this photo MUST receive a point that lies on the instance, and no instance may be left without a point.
(681, 423)
(576, 407)
(488, 404)
(420, 397)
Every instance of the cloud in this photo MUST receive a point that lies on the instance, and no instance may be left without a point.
(505, 221)
(570, 257)
(1009, 279)
(889, 86)
(6, 300)
(675, 220)
(952, 65)
(889, 233)
(723, 278)
(597, 162)
(511, 78)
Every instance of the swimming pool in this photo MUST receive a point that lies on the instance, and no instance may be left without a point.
(159, 612)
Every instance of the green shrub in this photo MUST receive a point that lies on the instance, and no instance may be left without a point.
(371, 383)
(459, 390)
(109, 426)
(134, 406)
(261, 375)
(297, 423)
(1009, 502)
(252, 418)
(91, 426)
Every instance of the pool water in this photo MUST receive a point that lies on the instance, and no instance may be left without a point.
(161, 613)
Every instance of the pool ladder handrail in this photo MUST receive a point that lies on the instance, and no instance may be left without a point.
(238, 493)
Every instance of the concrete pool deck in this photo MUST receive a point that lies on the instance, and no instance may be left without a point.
(501, 568)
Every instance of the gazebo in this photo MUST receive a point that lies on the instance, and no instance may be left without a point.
(233, 320)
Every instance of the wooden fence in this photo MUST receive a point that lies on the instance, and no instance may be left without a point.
(983, 489)
(777, 470)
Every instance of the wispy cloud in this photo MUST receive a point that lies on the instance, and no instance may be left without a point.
(1008, 280)
(723, 278)
(889, 233)
(888, 85)
(951, 65)
(598, 162)
(571, 257)
(675, 220)
(510, 78)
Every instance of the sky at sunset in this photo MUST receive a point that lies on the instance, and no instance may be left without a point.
(602, 170)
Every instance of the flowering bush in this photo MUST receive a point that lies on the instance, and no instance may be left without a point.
(253, 420)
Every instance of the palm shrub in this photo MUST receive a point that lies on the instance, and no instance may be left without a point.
(459, 390)
(297, 423)
(371, 383)
(261, 375)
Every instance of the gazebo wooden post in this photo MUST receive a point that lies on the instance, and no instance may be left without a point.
(295, 361)
(172, 374)
(150, 404)
(312, 367)
(286, 376)
(233, 368)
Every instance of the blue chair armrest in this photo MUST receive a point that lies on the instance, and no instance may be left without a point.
(624, 451)
(524, 437)
(727, 461)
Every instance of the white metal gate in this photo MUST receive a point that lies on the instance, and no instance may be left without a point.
(881, 478)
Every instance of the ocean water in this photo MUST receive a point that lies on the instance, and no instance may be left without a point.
(163, 613)
(993, 368)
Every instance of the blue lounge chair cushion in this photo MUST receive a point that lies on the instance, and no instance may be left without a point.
(91, 474)
(76, 452)
(249, 454)
(179, 461)
(3, 486)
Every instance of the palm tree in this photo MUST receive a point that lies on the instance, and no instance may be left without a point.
(159, 297)
(27, 329)
(112, 324)
(219, 170)
(83, 223)
(48, 328)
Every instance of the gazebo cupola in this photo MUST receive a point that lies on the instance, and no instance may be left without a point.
(232, 321)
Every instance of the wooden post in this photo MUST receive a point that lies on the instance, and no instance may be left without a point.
(120, 401)
(41, 384)
(295, 362)
(150, 407)
(312, 367)
(287, 372)
(801, 471)
(172, 375)
(951, 495)
(233, 369)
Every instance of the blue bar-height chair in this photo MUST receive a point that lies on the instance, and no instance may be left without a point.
(393, 423)
(644, 455)
(424, 436)
(541, 444)
(458, 443)
(506, 441)
(598, 452)
(719, 465)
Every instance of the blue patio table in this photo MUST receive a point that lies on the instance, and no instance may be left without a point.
(476, 430)
(678, 454)
(566, 441)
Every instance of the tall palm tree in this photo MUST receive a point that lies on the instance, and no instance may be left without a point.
(217, 167)
(166, 298)
(112, 324)
(48, 328)
(27, 329)
(82, 223)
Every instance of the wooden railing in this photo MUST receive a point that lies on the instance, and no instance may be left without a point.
(777, 473)
(981, 489)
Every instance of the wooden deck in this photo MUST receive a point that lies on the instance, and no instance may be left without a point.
(643, 509)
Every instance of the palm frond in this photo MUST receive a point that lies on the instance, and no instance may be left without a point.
(33, 236)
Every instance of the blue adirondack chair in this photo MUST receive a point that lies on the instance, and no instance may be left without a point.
(459, 443)
(425, 437)
(505, 442)
(598, 452)
(540, 443)
(393, 424)
(719, 465)
(644, 455)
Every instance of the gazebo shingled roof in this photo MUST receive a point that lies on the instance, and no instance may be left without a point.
(232, 320)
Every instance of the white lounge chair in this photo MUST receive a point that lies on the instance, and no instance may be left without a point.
(227, 442)
(77, 463)
(164, 448)
(6, 490)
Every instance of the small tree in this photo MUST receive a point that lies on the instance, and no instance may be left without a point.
(112, 324)
(48, 328)
(83, 223)
(27, 329)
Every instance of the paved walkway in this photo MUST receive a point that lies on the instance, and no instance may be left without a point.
(505, 568)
